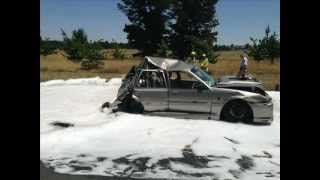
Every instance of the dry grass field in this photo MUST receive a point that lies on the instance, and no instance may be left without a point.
(56, 66)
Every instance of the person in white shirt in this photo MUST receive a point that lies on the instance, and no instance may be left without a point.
(243, 66)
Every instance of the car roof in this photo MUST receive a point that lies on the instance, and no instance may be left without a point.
(169, 64)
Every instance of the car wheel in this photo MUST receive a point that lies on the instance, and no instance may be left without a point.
(236, 111)
(131, 106)
(135, 107)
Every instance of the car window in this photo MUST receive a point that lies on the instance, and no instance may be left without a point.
(176, 75)
(208, 79)
(151, 79)
(183, 80)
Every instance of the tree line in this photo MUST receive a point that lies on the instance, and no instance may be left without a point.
(78, 45)
(48, 46)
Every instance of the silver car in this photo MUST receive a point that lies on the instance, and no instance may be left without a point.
(172, 87)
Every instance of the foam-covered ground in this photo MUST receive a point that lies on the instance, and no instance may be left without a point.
(123, 144)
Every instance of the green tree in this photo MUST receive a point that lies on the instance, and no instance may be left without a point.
(148, 23)
(256, 50)
(46, 47)
(164, 50)
(78, 48)
(232, 46)
(266, 48)
(193, 23)
(271, 44)
(101, 44)
(246, 46)
(118, 52)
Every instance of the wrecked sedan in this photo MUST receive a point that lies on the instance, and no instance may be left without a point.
(173, 87)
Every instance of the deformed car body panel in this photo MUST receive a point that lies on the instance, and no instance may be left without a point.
(208, 100)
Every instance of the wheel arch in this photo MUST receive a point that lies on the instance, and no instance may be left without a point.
(221, 115)
(136, 98)
(127, 105)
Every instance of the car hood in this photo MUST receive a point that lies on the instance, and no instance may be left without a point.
(240, 93)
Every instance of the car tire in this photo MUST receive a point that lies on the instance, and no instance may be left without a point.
(131, 105)
(237, 111)
(136, 107)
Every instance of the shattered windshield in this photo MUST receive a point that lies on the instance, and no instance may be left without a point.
(204, 76)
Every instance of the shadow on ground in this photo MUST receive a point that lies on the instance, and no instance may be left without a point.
(49, 174)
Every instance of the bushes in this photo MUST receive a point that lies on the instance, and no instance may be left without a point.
(87, 64)
(94, 53)
(266, 48)
(47, 47)
(92, 60)
(78, 48)
(46, 50)
(256, 50)
(75, 47)
(119, 53)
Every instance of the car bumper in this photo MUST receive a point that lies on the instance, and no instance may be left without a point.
(262, 112)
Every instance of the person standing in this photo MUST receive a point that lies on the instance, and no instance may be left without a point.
(193, 56)
(243, 66)
(205, 63)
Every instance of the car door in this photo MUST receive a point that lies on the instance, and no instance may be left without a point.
(152, 90)
(185, 96)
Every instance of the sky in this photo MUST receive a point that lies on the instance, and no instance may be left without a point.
(101, 19)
